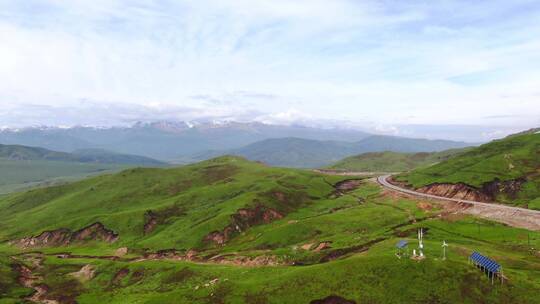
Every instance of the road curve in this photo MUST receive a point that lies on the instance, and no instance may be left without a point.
(384, 182)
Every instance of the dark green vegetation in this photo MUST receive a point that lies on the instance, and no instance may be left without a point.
(392, 161)
(507, 170)
(23, 167)
(307, 153)
(246, 233)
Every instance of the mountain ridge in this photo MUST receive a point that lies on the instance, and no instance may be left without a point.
(307, 153)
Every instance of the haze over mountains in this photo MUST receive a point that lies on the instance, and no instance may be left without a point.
(306, 153)
(186, 142)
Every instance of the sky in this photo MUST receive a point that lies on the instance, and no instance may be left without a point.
(398, 67)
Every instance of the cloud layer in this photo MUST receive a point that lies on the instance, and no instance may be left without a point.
(376, 62)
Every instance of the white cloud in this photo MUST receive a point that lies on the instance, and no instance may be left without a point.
(408, 63)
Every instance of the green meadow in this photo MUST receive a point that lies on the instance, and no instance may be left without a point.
(359, 228)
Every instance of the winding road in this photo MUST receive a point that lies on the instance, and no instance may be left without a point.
(514, 216)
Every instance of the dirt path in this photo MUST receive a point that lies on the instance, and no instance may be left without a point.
(513, 216)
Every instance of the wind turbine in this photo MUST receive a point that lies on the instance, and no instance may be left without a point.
(444, 245)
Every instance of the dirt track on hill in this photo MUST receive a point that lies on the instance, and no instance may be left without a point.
(512, 216)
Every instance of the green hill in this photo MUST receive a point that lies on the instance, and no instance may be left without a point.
(229, 230)
(506, 170)
(124, 201)
(392, 161)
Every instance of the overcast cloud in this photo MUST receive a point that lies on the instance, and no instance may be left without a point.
(377, 64)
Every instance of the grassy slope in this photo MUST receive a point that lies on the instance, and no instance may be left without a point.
(208, 193)
(507, 159)
(212, 190)
(392, 161)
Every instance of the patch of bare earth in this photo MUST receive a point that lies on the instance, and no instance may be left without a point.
(347, 185)
(119, 275)
(28, 278)
(247, 261)
(64, 236)
(86, 273)
(333, 300)
(242, 220)
(153, 218)
(425, 206)
(316, 247)
(459, 191)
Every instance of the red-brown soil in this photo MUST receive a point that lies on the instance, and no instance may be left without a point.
(63, 236)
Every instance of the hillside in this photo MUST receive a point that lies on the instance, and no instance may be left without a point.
(392, 161)
(167, 195)
(307, 153)
(232, 231)
(505, 170)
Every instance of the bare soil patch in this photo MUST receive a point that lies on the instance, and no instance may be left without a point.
(333, 300)
(63, 236)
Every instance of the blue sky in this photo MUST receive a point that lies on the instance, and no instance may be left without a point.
(374, 64)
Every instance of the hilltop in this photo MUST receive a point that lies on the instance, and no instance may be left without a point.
(505, 170)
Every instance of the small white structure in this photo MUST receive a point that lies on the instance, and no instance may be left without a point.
(444, 245)
(420, 254)
(420, 242)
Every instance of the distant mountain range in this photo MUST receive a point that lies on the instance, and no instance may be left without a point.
(307, 153)
(183, 142)
(167, 140)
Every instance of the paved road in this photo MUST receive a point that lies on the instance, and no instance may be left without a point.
(383, 181)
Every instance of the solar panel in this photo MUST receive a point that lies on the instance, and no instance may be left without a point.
(485, 262)
(401, 244)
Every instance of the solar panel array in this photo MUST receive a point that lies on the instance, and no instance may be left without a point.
(485, 262)
(401, 244)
